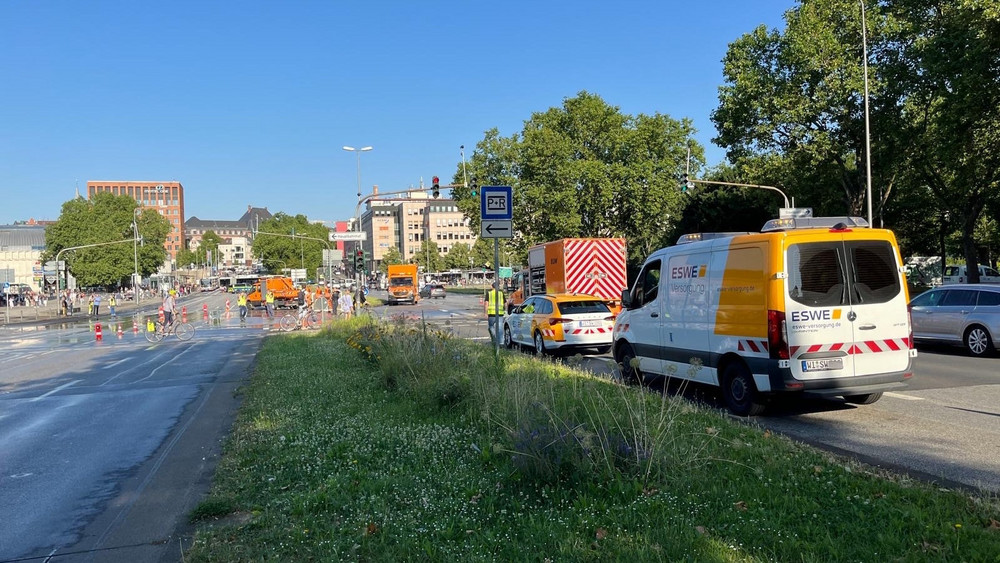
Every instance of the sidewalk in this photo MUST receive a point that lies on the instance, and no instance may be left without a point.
(51, 312)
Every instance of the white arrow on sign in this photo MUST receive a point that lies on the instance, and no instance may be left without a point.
(496, 228)
(349, 235)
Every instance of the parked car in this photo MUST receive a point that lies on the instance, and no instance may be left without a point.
(958, 274)
(968, 315)
(558, 322)
(433, 290)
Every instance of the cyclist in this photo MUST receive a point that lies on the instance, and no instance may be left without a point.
(169, 305)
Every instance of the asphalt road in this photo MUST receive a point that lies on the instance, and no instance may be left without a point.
(106, 446)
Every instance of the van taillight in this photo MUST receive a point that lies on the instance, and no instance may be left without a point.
(909, 320)
(777, 344)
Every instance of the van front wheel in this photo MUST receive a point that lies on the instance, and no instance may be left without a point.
(739, 391)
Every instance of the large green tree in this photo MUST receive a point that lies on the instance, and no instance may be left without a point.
(429, 256)
(390, 257)
(277, 248)
(458, 257)
(103, 219)
(585, 169)
(209, 245)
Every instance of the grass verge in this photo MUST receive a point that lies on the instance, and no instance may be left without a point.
(394, 442)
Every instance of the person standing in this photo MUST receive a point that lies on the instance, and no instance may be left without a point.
(345, 305)
(241, 302)
(494, 307)
(112, 303)
(269, 304)
(97, 305)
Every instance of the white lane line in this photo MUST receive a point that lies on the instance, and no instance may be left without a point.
(56, 390)
(164, 364)
(116, 363)
(901, 396)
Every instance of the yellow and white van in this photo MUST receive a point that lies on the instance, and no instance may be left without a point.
(809, 305)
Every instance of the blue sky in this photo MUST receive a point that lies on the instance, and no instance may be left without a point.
(250, 102)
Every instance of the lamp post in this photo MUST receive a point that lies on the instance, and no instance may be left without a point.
(357, 224)
(868, 142)
(135, 254)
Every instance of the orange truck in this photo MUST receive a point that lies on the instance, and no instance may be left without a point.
(592, 266)
(403, 284)
(285, 292)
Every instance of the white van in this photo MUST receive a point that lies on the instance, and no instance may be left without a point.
(959, 274)
(808, 305)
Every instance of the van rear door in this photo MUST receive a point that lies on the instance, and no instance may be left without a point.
(846, 313)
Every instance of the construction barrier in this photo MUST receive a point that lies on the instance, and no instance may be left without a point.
(97, 332)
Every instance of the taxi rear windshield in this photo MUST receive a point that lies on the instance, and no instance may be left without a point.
(571, 307)
(829, 274)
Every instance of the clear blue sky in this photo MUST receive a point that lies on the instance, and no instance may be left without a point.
(250, 102)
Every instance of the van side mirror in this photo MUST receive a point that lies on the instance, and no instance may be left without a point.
(626, 299)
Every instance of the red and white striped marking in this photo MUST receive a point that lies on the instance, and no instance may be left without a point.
(755, 346)
(596, 267)
(854, 348)
(592, 330)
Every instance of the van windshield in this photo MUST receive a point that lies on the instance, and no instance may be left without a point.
(829, 274)
(400, 281)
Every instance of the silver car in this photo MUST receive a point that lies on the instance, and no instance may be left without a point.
(966, 314)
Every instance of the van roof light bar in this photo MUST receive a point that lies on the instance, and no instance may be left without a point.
(695, 237)
(792, 223)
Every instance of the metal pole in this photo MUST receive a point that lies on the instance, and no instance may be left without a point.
(868, 142)
(135, 256)
(496, 280)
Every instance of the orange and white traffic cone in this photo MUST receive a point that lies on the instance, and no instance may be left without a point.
(121, 332)
(227, 308)
(184, 314)
(135, 326)
(204, 312)
(162, 318)
(97, 332)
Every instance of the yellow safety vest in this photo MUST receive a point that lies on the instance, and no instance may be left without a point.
(241, 300)
(270, 297)
(495, 302)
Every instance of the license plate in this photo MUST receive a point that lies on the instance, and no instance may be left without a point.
(588, 323)
(823, 365)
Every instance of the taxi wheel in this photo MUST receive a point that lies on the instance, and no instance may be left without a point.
(739, 391)
(508, 342)
(539, 344)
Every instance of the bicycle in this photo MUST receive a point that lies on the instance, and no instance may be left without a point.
(156, 330)
(306, 319)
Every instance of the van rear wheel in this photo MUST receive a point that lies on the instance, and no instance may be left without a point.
(864, 399)
(740, 392)
(627, 364)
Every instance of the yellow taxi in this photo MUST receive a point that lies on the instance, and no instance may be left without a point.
(561, 321)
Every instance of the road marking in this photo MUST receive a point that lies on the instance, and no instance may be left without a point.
(901, 396)
(116, 363)
(56, 390)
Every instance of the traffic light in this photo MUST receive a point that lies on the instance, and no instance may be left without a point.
(474, 187)
(686, 184)
(436, 187)
(359, 258)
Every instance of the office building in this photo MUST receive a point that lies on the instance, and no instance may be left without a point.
(165, 197)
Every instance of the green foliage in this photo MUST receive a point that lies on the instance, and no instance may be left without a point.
(389, 257)
(458, 256)
(274, 245)
(107, 218)
(585, 169)
(186, 257)
(429, 257)
(210, 244)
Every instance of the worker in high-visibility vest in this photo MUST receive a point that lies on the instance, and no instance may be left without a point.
(241, 302)
(269, 304)
(494, 308)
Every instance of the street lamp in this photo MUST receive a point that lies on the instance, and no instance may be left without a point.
(135, 253)
(358, 218)
(868, 142)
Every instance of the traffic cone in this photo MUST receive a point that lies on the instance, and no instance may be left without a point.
(227, 308)
(97, 332)
(135, 326)
(204, 312)
(184, 314)
(162, 318)
(121, 332)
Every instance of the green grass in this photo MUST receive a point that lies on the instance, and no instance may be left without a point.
(394, 442)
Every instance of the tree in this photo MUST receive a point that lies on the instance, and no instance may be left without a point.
(106, 218)
(275, 246)
(585, 170)
(186, 257)
(482, 253)
(458, 257)
(209, 246)
(429, 256)
(390, 257)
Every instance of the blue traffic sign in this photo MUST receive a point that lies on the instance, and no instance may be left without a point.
(495, 202)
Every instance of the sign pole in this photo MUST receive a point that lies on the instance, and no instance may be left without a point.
(496, 281)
